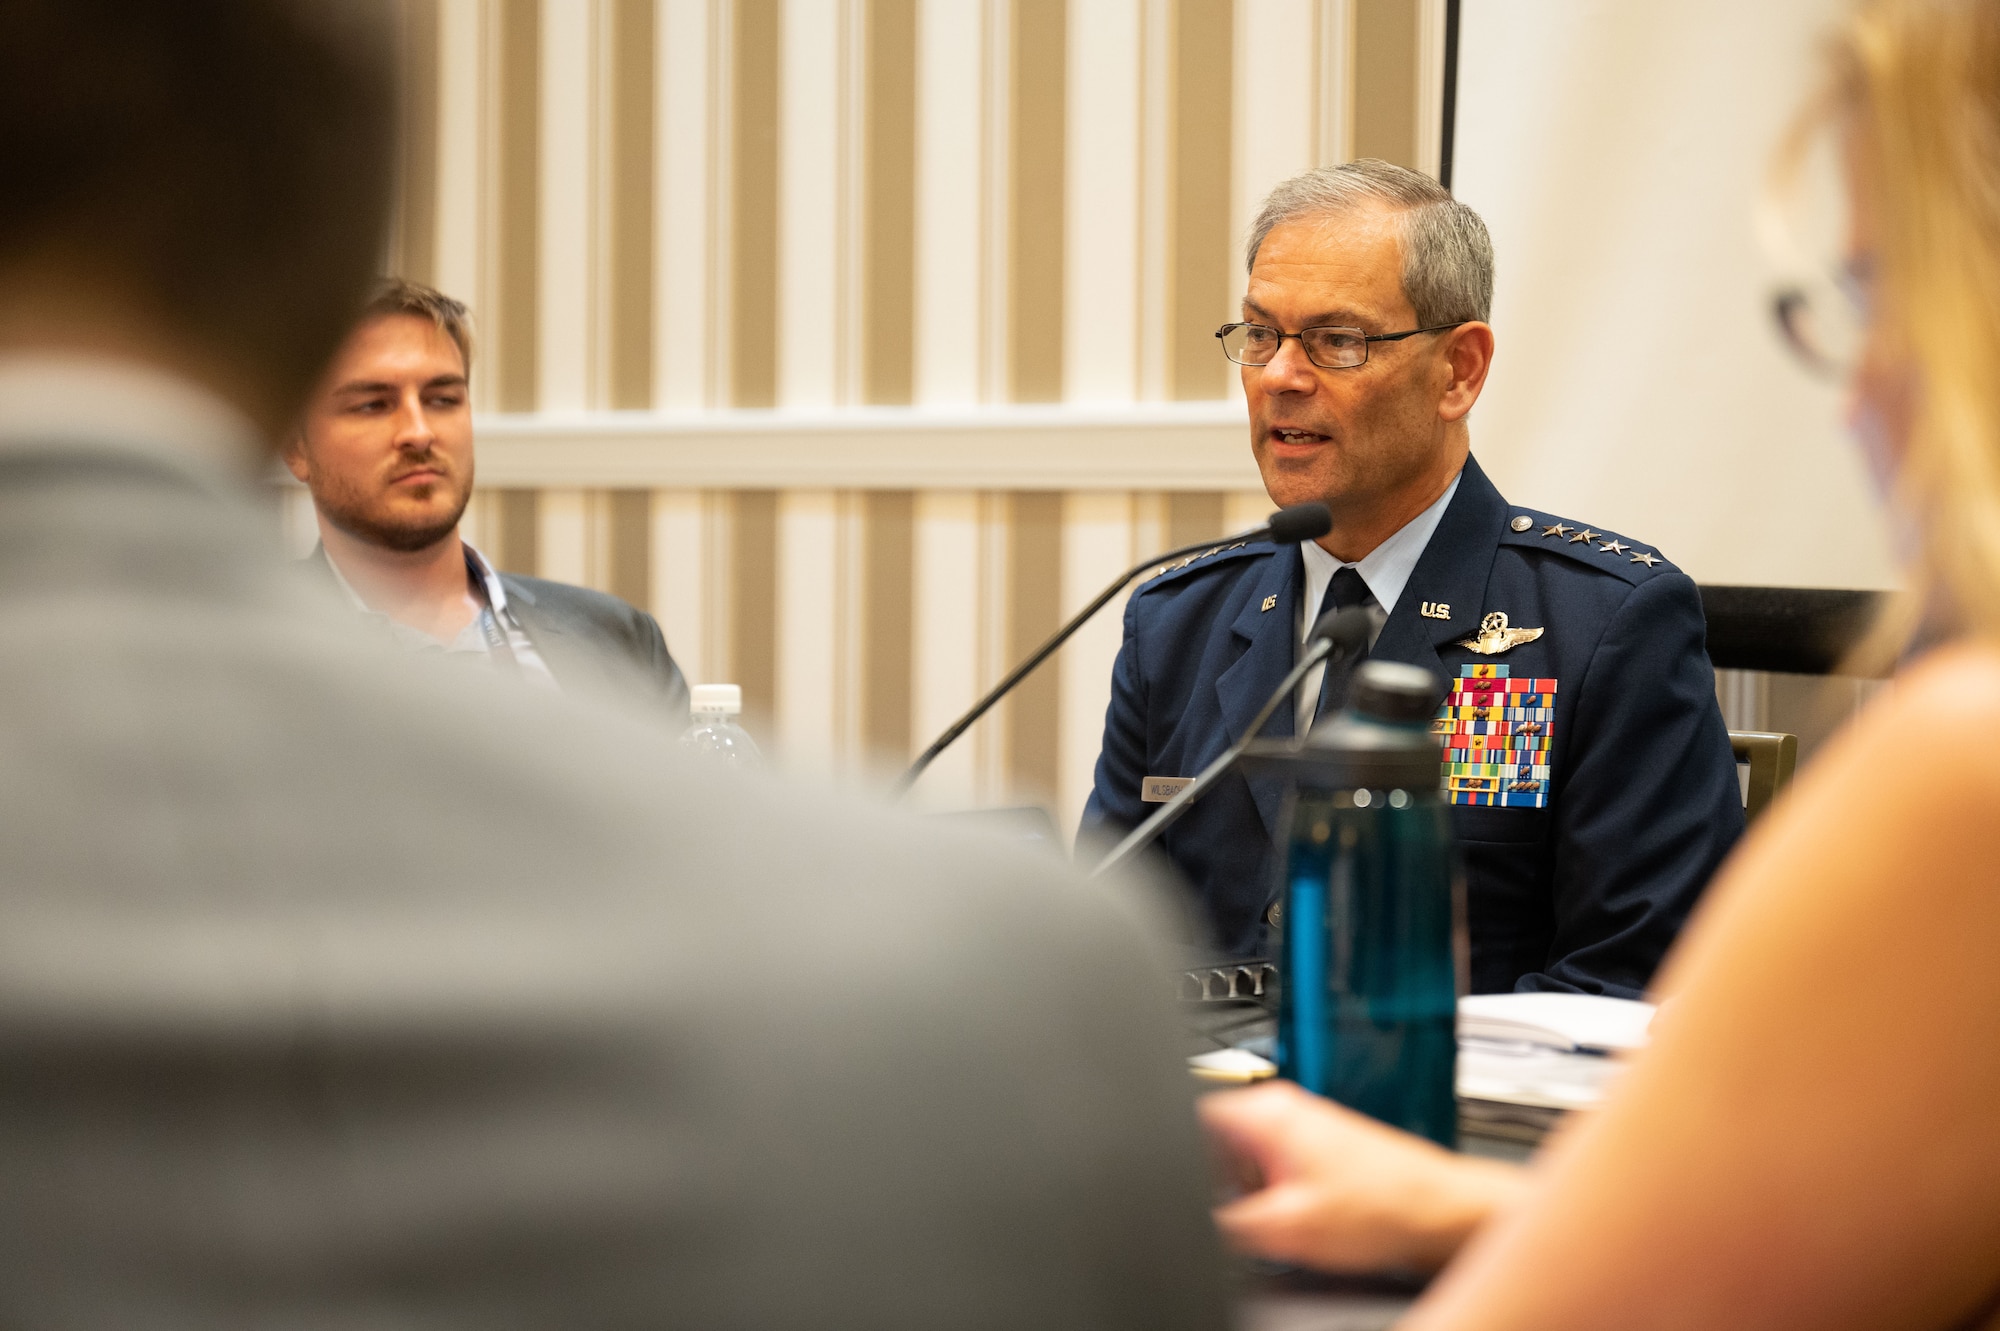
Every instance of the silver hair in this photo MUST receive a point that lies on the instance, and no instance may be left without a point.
(1447, 255)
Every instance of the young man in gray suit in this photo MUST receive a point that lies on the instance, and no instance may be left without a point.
(385, 446)
(346, 990)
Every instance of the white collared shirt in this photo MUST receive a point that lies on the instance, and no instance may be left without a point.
(493, 618)
(1386, 570)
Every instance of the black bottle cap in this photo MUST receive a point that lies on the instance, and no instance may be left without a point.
(1395, 692)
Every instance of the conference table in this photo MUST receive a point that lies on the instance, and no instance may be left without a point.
(1275, 1299)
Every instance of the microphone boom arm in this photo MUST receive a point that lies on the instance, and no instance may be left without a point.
(1042, 653)
(1167, 814)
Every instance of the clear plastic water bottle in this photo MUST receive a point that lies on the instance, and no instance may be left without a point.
(1374, 910)
(715, 733)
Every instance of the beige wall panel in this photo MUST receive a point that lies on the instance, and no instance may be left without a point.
(1430, 85)
(1274, 101)
(995, 161)
(1101, 200)
(951, 202)
(1037, 66)
(510, 250)
(753, 217)
(753, 595)
(992, 754)
(1333, 49)
(813, 632)
(887, 293)
(685, 581)
(814, 276)
(414, 251)
(475, 524)
(564, 536)
(459, 192)
(628, 569)
(949, 549)
(691, 197)
(1194, 516)
(1099, 536)
(1156, 198)
(851, 659)
(1203, 274)
(1385, 80)
(511, 539)
(567, 314)
(1245, 509)
(626, 276)
(888, 532)
(1034, 599)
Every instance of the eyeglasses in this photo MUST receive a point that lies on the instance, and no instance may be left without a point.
(1328, 348)
(1824, 322)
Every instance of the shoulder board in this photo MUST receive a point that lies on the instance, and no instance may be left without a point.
(1229, 552)
(1606, 551)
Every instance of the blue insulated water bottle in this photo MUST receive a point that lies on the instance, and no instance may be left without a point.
(1374, 948)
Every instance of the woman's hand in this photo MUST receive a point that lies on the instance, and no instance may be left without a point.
(1338, 1191)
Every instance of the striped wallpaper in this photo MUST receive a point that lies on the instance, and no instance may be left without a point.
(861, 340)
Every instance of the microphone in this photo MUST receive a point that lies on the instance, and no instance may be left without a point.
(1336, 636)
(1288, 526)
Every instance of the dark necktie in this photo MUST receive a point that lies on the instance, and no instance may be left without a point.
(1345, 590)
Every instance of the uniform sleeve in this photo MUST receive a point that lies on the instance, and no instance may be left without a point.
(1651, 803)
(663, 670)
(1114, 807)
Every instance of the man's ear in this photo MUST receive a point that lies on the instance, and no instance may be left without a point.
(1468, 350)
(293, 451)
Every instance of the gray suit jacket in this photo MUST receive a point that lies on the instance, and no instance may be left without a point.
(344, 991)
(592, 642)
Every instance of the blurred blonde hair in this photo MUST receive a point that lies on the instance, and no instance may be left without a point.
(1917, 85)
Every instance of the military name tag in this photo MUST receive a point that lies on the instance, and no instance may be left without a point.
(1160, 789)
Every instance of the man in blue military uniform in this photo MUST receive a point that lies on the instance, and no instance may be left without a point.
(1592, 786)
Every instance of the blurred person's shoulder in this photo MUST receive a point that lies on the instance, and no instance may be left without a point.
(1912, 763)
(1937, 707)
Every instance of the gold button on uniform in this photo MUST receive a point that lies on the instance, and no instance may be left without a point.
(1522, 523)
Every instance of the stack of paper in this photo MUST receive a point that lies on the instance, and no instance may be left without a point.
(1537, 1051)
(1582, 1023)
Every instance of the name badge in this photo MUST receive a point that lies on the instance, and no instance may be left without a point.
(1160, 789)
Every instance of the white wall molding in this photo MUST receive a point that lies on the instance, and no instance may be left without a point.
(1155, 446)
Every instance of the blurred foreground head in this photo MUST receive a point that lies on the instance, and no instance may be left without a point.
(201, 184)
(1915, 96)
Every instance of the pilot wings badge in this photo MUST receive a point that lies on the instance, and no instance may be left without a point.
(1494, 637)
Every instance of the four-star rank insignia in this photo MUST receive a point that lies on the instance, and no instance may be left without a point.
(1495, 637)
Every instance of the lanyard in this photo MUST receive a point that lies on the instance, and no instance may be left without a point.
(497, 645)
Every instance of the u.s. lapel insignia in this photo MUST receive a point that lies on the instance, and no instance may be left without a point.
(1270, 602)
(1495, 637)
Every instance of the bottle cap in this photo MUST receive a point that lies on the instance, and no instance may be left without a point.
(1393, 691)
(726, 699)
